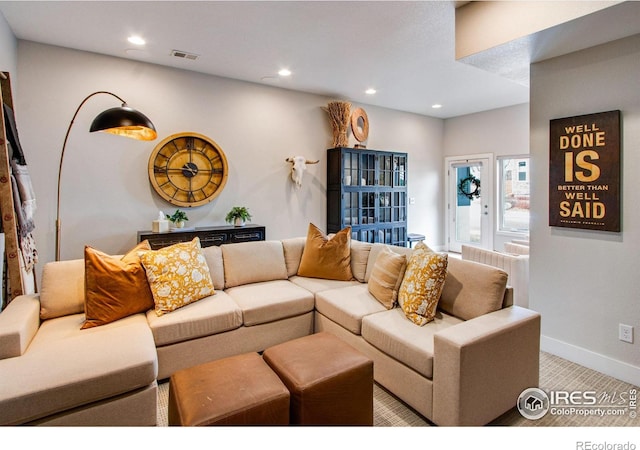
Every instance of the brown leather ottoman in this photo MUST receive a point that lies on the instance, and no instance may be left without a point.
(239, 390)
(330, 382)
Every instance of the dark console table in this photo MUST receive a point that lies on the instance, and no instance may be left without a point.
(208, 235)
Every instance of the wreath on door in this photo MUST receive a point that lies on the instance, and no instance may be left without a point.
(469, 187)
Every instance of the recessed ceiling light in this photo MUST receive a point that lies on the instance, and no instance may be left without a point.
(284, 72)
(370, 91)
(136, 40)
(436, 106)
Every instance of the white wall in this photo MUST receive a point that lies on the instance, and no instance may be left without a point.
(8, 51)
(501, 132)
(586, 282)
(106, 195)
(8, 63)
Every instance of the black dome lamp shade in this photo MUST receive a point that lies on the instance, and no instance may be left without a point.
(124, 121)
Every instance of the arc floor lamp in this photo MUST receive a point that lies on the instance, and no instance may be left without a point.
(122, 121)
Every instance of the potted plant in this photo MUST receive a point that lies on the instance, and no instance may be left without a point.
(178, 218)
(238, 215)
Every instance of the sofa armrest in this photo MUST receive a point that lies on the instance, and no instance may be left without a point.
(19, 323)
(482, 365)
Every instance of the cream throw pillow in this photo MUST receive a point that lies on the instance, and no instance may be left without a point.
(325, 257)
(386, 277)
(178, 275)
(422, 284)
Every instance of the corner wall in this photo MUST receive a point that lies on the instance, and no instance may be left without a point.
(106, 194)
(8, 50)
(586, 282)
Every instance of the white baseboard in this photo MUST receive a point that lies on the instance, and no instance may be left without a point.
(603, 364)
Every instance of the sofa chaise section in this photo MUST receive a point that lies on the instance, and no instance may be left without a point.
(457, 369)
(66, 371)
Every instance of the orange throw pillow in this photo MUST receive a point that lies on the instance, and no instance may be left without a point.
(114, 287)
(325, 257)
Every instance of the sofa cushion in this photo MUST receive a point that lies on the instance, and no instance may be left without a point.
(212, 315)
(269, 301)
(114, 287)
(315, 285)
(66, 367)
(386, 277)
(395, 335)
(177, 274)
(375, 251)
(472, 289)
(293, 249)
(325, 257)
(62, 289)
(422, 284)
(213, 256)
(253, 262)
(348, 305)
(359, 258)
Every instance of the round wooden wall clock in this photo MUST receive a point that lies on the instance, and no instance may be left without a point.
(188, 169)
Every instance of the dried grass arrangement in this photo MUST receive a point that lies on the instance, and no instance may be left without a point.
(340, 116)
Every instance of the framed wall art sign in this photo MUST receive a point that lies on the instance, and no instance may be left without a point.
(584, 172)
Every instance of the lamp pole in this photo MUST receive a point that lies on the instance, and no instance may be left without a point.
(135, 124)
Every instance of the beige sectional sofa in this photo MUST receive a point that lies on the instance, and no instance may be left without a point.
(466, 367)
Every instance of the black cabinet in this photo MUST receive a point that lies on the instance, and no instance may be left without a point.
(208, 235)
(367, 189)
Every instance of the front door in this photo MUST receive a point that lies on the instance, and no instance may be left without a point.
(469, 203)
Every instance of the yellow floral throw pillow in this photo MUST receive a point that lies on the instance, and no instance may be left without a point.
(422, 284)
(178, 275)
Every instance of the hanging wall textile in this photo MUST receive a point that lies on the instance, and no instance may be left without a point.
(17, 204)
(24, 201)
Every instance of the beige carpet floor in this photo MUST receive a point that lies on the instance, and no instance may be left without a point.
(555, 374)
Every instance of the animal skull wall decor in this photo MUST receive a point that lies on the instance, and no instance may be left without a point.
(299, 165)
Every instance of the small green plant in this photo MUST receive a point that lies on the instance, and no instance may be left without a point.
(238, 212)
(178, 216)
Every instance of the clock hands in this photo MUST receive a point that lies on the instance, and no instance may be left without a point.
(189, 170)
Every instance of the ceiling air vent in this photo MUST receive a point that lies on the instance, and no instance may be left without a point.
(184, 55)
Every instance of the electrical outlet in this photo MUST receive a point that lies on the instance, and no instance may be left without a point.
(625, 333)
